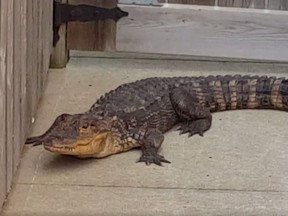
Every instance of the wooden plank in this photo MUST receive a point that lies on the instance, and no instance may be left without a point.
(197, 2)
(278, 4)
(44, 24)
(97, 36)
(259, 4)
(107, 29)
(3, 68)
(83, 36)
(48, 32)
(9, 96)
(39, 49)
(17, 84)
(24, 52)
(45, 11)
(60, 52)
(30, 74)
(34, 58)
(205, 32)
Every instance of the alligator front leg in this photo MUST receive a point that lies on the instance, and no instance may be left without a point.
(150, 146)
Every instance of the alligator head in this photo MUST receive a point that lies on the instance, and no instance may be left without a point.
(81, 135)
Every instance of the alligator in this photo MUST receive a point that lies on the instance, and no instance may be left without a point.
(137, 114)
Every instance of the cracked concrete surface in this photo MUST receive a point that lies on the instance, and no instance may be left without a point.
(238, 168)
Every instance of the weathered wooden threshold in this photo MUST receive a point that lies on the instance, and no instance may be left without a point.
(200, 63)
(172, 57)
(204, 31)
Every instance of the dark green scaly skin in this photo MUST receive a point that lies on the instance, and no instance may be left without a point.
(140, 112)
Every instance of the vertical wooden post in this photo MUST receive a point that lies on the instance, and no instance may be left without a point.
(3, 68)
(30, 87)
(17, 83)
(60, 54)
(23, 64)
(107, 30)
(9, 96)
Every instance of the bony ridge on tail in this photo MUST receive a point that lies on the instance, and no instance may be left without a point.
(137, 114)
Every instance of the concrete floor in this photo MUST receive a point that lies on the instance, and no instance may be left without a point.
(238, 168)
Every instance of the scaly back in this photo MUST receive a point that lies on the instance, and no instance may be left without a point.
(218, 93)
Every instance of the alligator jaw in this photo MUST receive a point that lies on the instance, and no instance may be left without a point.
(65, 151)
(73, 147)
(97, 146)
(59, 149)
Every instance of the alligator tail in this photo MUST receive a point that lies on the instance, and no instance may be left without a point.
(245, 92)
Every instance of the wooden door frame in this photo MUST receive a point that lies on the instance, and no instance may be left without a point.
(90, 36)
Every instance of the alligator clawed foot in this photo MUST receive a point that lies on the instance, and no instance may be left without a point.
(152, 157)
(195, 127)
(191, 130)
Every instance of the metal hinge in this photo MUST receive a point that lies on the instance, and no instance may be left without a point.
(64, 13)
